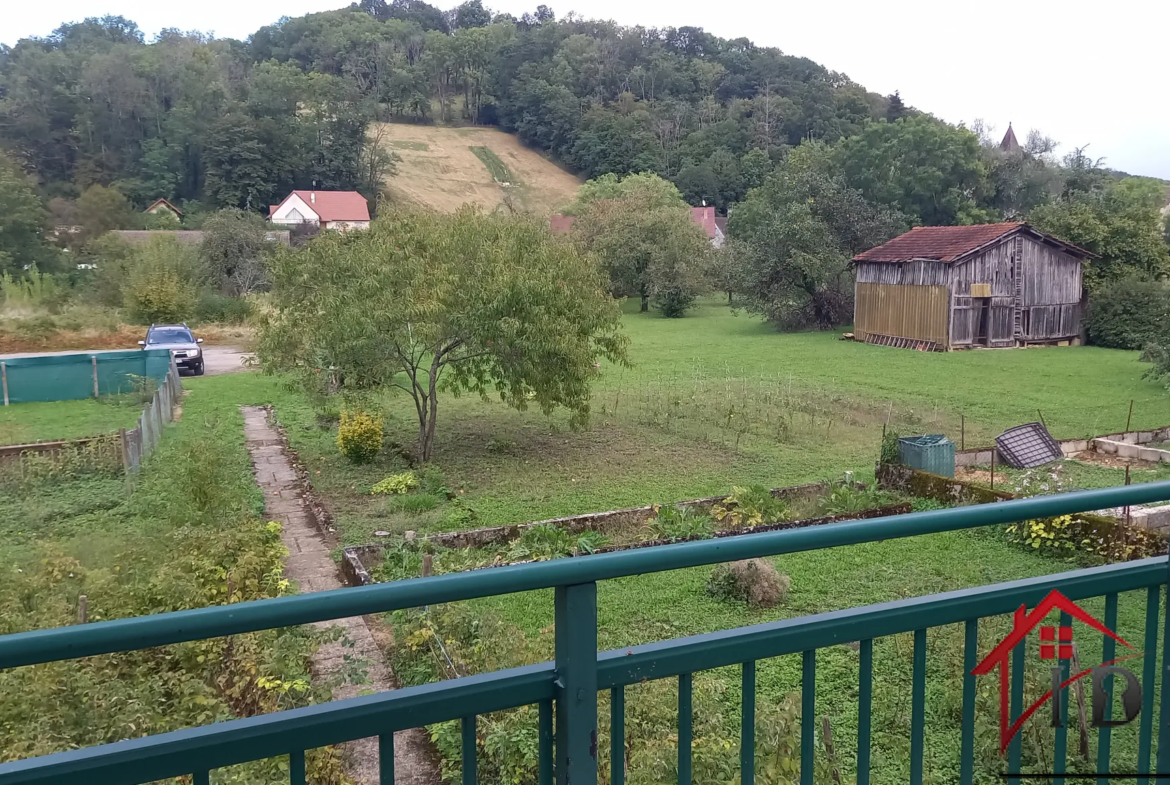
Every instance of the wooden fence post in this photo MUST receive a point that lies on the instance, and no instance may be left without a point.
(82, 609)
(93, 359)
(125, 450)
(4, 377)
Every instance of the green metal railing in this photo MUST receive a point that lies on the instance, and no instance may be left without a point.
(568, 751)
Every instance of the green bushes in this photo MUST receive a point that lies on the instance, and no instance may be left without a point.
(163, 282)
(1129, 314)
(359, 436)
(189, 535)
(676, 523)
(212, 307)
(748, 506)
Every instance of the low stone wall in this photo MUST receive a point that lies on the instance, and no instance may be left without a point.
(1111, 537)
(915, 482)
(1131, 450)
(601, 521)
(355, 558)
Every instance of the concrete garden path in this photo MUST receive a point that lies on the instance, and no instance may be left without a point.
(311, 567)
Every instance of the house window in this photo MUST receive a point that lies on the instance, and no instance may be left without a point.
(295, 215)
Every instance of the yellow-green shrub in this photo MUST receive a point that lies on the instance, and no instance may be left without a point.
(403, 482)
(359, 437)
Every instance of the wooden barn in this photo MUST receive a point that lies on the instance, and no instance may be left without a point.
(955, 287)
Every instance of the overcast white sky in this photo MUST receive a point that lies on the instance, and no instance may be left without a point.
(1084, 73)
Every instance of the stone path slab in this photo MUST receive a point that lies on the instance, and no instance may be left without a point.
(311, 567)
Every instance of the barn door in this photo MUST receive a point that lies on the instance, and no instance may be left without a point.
(982, 307)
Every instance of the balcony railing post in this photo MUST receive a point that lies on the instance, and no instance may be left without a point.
(1164, 708)
(576, 686)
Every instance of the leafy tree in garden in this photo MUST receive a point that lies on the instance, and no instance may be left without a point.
(1119, 223)
(233, 244)
(793, 239)
(101, 209)
(895, 108)
(23, 220)
(642, 232)
(933, 172)
(1129, 314)
(489, 304)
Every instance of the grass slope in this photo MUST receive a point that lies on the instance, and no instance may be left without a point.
(443, 168)
(21, 423)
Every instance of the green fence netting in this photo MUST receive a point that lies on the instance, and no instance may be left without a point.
(67, 377)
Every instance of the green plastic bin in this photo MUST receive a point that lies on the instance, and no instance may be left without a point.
(933, 453)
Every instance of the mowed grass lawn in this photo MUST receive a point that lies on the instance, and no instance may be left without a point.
(717, 399)
(21, 423)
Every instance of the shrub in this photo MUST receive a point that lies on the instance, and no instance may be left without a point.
(590, 541)
(542, 541)
(1129, 314)
(162, 281)
(359, 436)
(460, 516)
(676, 523)
(213, 307)
(845, 498)
(748, 506)
(395, 483)
(889, 448)
(433, 482)
(754, 581)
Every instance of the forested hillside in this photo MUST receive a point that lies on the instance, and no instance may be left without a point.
(234, 123)
(93, 113)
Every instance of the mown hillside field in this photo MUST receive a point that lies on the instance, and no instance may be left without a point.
(445, 168)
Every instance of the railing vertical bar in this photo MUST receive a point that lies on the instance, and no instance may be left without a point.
(918, 708)
(468, 761)
(1149, 673)
(201, 778)
(617, 736)
(1163, 757)
(967, 743)
(864, 710)
(685, 716)
(747, 733)
(386, 759)
(545, 743)
(808, 712)
(296, 768)
(1108, 652)
(576, 686)
(1016, 704)
(1060, 746)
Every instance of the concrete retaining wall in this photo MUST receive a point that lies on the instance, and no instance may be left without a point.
(981, 456)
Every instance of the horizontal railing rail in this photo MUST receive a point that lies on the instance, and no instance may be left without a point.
(579, 672)
(142, 632)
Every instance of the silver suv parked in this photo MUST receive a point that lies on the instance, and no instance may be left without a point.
(183, 345)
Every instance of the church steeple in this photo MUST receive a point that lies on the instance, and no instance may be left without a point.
(1009, 143)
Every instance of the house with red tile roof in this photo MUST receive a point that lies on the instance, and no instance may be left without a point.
(990, 285)
(703, 216)
(341, 210)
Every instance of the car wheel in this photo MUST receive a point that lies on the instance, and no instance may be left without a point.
(199, 369)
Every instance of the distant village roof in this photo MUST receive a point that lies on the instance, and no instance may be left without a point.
(951, 243)
(163, 203)
(332, 205)
(705, 217)
(1010, 144)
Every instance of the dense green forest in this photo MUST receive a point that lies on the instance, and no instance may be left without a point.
(93, 113)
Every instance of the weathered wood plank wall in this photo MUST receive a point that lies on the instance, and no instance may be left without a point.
(918, 312)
